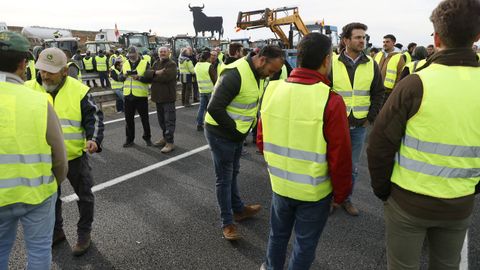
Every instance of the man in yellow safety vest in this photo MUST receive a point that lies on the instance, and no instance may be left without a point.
(33, 161)
(424, 150)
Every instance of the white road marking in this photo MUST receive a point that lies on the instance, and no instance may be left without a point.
(123, 178)
(136, 116)
(464, 254)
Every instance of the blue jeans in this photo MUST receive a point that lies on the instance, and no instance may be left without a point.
(37, 221)
(226, 159)
(357, 137)
(119, 101)
(307, 219)
(204, 99)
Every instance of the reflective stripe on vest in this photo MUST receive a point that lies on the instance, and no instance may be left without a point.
(26, 162)
(440, 153)
(294, 146)
(88, 63)
(116, 85)
(130, 86)
(185, 67)
(205, 84)
(68, 109)
(356, 100)
(244, 107)
(391, 72)
(101, 62)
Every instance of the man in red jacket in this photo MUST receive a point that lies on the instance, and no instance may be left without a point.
(308, 152)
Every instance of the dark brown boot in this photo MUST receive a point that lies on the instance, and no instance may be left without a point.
(248, 211)
(58, 237)
(82, 245)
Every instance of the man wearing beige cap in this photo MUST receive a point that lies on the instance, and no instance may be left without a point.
(33, 160)
(82, 125)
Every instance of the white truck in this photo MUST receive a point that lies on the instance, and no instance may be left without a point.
(108, 35)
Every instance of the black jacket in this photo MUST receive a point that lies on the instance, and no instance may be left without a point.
(226, 89)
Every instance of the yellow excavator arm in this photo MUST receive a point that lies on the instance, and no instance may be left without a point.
(273, 19)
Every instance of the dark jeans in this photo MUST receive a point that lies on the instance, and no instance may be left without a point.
(226, 159)
(139, 104)
(186, 93)
(166, 119)
(196, 93)
(204, 99)
(119, 100)
(80, 177)
(104, 78)
(307, 219)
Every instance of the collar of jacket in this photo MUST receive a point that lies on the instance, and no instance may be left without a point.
(11, 78)
(455, 57)
(307, 76)
(252, 67)
(363, 58)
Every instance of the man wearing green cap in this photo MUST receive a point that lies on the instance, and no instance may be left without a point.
(33, 160)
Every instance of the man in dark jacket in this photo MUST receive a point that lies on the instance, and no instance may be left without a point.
(423, 153)
(356, 77)
(231, 114)
(164, 94)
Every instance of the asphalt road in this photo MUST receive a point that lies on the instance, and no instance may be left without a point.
(166, 217)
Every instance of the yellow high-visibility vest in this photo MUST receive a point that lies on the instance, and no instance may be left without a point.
(408, 57)
(205, 84)
(440, 152)
(69, 111)
(294, 145)
(101, 63)
(33, 71)
(185, 68)
(413, 66)
(356, 97)
(391, 74)
(116, 85)
(244, 107)
(137, 88)
(88, 64)
(26, 157)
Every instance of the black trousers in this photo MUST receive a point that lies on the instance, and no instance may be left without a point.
(139, 104)
(80, 177)
(88, 82)
(166, 119)
(196, 93)
(186, 93)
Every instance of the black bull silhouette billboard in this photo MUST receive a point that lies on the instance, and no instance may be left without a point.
(203, 23)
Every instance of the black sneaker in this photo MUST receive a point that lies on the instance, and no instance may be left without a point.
(148, 142)
(128, 144)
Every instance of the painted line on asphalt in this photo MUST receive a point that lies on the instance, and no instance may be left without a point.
(136, 116)
(464, 254)
(123, 178)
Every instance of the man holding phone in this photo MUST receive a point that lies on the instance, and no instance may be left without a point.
(135, 91)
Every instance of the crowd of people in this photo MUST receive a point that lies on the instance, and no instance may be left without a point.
(310, 124)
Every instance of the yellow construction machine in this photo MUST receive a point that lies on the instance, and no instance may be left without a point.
(274, 19)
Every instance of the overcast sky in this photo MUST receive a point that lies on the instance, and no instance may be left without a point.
(408, 20)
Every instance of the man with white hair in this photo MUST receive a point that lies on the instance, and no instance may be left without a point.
(82, 125)
(164, 82)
